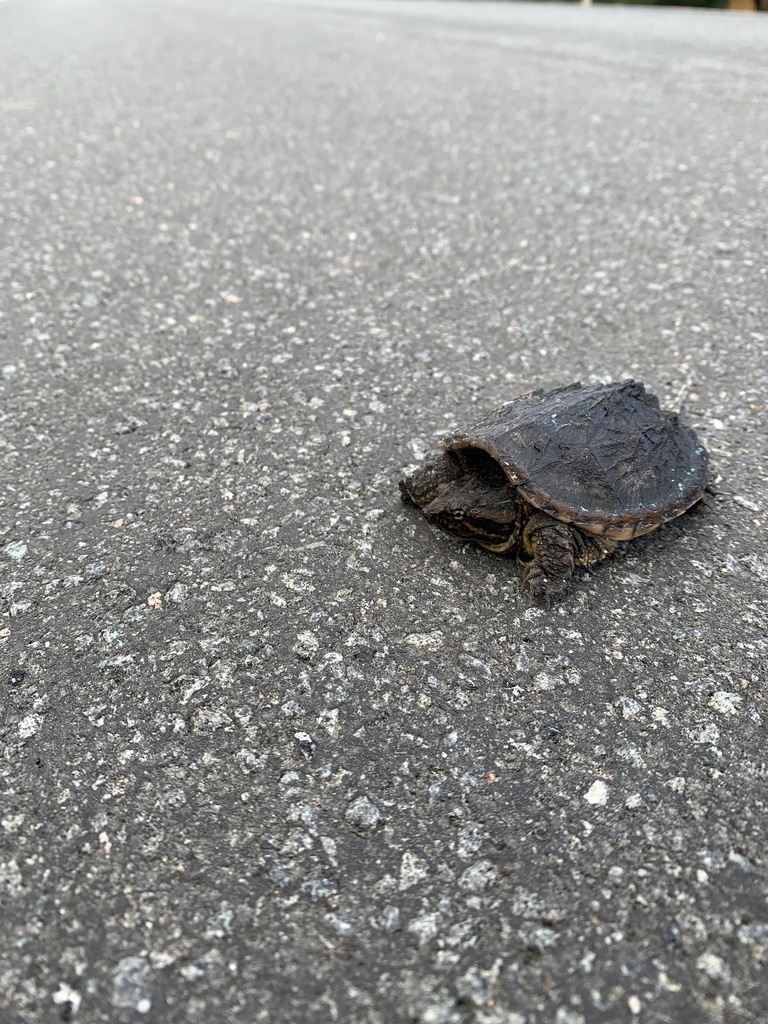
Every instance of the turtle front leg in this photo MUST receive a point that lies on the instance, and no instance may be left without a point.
(548, 542)
(556, 549)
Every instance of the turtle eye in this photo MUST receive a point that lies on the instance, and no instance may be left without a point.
(458, 514)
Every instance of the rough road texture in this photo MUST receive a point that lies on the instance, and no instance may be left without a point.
(273, 751)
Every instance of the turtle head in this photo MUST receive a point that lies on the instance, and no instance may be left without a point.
(465, 492)
(423, 486)
(468, 510)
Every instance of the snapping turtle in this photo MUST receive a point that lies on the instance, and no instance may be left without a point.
(558, 477)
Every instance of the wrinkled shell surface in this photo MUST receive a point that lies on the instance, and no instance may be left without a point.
(604, 457)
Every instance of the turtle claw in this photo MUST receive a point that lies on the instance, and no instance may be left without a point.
(540, 588)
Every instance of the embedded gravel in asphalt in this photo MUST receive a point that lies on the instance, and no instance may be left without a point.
(272, 748)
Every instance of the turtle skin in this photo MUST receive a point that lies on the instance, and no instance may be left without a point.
(559, 477)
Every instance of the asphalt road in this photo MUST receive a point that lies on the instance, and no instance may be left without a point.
(272, 749)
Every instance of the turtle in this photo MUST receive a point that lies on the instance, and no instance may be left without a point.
(558, 478)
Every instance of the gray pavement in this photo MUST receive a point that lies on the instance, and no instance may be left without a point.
(272, 749)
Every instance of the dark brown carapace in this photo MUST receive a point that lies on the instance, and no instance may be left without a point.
(558, 477)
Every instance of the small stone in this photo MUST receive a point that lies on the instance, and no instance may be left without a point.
(15, 550)
(363, 814)
(676, 784)
(478, 876)
(424, 927)
(713, 966)
(319, 889)
(390, 919)
(306, 743)
(306, 645)
(597, 794)
(340, 924)
(412, 870)
(564, 1015)
(174, 798)
(726, 702)
(630, 708)
(428, 641)
(29, 726)
(707, 734)
(10, 878)
(751, 506)
(476, 986)
(521, 662)
(132, 982)
(67, 997)
(178, 593)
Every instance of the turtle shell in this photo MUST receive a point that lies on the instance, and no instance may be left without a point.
(605, 458)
